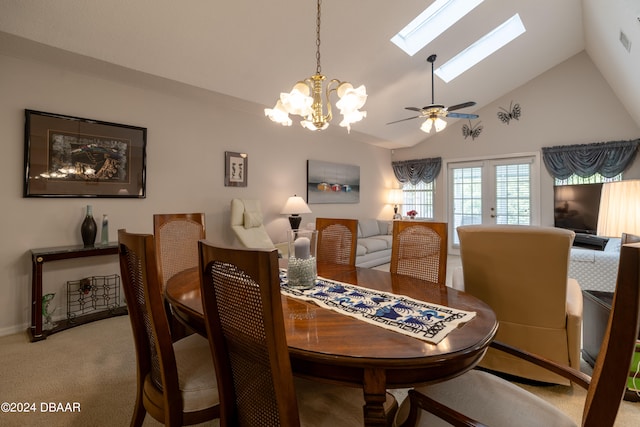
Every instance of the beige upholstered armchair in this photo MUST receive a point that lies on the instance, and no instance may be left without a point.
(521, 272)
(246, 223)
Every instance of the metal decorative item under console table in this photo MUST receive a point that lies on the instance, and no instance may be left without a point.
(38, 258)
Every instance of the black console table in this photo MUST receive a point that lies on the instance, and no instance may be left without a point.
(38, 258)
(595, 316)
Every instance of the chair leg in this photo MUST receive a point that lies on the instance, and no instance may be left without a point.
(139, 412)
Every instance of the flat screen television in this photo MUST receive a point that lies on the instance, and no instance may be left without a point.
(576, 207)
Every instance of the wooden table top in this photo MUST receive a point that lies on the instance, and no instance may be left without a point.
(319, 335)
(325, 345)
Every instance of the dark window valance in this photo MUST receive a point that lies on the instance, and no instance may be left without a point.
(414, 171)
(606, 158)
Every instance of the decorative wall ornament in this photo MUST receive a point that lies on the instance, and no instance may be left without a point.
(471, 130)
(513, 112)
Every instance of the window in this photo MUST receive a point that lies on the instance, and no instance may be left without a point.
(513, 194)
(418, 197)
(593, 179)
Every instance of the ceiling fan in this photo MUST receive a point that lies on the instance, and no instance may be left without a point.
(435, 113)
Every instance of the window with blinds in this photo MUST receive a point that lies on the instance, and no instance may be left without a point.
(513, 194)
(418, 197)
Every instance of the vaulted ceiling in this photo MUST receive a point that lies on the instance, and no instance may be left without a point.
(253, 50)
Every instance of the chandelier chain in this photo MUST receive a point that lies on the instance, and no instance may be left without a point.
(318, 67)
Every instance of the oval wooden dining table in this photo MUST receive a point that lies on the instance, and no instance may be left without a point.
(325, 345)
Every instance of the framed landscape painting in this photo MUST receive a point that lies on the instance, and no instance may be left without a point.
(67, 156)
(329, 182)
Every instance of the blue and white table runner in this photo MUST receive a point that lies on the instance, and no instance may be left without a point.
(415, 318)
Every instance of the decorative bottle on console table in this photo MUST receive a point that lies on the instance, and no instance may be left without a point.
(89, 229)
(104, 236)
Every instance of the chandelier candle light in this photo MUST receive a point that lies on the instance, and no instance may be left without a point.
(310, 107)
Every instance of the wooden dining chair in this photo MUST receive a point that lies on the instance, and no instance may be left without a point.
(244, 319)
(419, 250)
(176, 382)
(337, 240)
(176, 237)
(494, 401)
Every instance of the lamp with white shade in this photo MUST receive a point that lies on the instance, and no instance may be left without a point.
(395, 199)
(294, 207)
(619, 208)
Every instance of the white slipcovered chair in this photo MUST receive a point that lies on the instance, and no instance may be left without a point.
(246, 223)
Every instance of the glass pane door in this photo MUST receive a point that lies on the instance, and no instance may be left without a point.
(497, 191)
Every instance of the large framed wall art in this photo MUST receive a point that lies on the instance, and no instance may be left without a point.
(67, 156)
(332, 182)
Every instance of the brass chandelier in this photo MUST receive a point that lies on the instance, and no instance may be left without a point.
(310, 107)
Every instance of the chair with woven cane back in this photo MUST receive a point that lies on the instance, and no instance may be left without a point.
(176, 237)
(419, 249)
(245, 325)
(337, 240)
(479, 398)
(176, 382)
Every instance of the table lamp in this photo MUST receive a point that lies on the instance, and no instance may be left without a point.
(294, 207)
(395, 199)
(619, 208)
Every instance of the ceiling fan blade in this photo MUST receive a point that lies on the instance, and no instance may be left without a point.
(462, 116)
(413, 109)
(463, 105)
(404, 120)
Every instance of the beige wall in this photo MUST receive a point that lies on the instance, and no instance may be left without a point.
(569, 104)
(188, 132)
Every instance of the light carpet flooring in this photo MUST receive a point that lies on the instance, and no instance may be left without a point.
(94, 365)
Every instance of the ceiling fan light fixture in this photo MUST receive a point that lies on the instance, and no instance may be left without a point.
(305, 99)
(426, 125)
(439, 124)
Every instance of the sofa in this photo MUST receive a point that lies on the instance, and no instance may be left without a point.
(595, 270)
(374, 242)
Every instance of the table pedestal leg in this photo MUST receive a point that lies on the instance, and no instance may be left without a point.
(375, 395)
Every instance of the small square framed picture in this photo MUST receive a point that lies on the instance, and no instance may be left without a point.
(235, 169)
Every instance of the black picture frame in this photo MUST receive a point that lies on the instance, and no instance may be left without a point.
(236, 166)
(66, 156)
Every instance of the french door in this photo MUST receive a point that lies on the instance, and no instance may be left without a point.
(495, 191)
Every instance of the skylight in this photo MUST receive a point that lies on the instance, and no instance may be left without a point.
(432, 22)
(482, 48)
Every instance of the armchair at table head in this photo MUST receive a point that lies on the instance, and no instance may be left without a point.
(176, 383)
(246, 223)
(245, 325)
(493, 401)
(522, 273)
